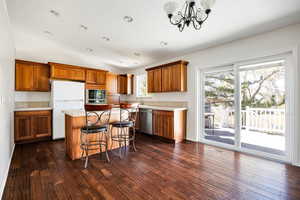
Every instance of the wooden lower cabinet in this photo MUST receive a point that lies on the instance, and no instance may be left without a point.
(32, 126)
(169, 124)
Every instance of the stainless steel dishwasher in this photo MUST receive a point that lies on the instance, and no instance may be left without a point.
(146, 121)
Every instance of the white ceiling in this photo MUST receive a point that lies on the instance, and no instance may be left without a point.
(229, 20)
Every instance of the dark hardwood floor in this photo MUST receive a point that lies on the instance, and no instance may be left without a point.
(157, 171)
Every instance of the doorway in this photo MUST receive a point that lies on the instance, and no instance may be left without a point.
(244, 107)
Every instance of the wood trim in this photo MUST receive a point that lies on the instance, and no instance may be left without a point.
(29, 62)
(182, 62)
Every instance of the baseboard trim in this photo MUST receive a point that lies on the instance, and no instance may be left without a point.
(297, 164)
(6, 173)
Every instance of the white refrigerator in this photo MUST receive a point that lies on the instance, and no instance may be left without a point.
(65, 95)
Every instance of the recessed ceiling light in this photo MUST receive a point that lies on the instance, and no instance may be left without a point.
(48, 33)
(137, 54)
(54, 12)
(128, 19)
(106, 38)
(163, 43)
(83, 27)
(89, 49)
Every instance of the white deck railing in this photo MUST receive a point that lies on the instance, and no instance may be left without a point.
(264, 120)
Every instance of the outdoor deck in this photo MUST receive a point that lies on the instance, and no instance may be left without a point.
(254, 140)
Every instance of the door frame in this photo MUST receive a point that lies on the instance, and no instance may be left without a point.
(290, 118)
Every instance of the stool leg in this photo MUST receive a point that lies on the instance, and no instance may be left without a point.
(86, 157)
(125, 140)
(106, 147)
(100, 145)
(111, 136)
(120, 144)
(133, 140)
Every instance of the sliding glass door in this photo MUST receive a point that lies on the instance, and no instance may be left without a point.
(219, 122)
(263, 101)
(244, 106)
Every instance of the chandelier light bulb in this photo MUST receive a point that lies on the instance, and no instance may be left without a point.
(170, 7)
(207, 4)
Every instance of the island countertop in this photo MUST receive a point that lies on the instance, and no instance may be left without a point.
(74, 121)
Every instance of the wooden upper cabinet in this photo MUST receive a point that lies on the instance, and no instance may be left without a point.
(101, 77)
(171, 77)
(91, 76)
(67, 72)
(97, 77)
(32, 76)
(41, 77)
(112, 84)
(154, 80)
(125, 84)
(150, 81)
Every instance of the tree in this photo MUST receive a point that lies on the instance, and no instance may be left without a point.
(259, 88)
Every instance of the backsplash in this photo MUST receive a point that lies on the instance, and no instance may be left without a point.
(31, 104)
(32, 96)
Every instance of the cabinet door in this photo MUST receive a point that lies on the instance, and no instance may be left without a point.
(122, 84)
(101, 77)
(41, 77)
(163, 123)
(176, 78)
(112, 84)
(166, 79)
(150, 81)
(23, 128)
(41, 125)
(24, 77)
(158, 123)
(67, 72)
(129, 83)
(168, 121)
(157, 80)
(91, 76)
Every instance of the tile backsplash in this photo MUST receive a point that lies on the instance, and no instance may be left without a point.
(32, 96)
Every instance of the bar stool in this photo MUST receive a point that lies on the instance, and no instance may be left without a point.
(128, 115)
(94, 134)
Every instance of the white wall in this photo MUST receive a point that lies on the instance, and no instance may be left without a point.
(7, 56)
(267, 44)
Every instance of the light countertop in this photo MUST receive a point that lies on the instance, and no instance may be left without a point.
(80, 113)
(32, 109)
(166, 108)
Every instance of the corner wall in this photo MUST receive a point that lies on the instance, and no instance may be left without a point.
(7, 57)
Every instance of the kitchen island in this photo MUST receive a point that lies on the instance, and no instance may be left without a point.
(74, 121)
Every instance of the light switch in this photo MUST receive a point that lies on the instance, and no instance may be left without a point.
(2, 100)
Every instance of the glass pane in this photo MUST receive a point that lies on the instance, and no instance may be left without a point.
(219, 107)
(263, 109)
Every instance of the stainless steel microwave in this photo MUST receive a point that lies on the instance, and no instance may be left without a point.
(95, 97)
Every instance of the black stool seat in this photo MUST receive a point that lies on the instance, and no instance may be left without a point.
(93, 129)
(122, 124)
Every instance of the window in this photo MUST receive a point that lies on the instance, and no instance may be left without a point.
(141, 85)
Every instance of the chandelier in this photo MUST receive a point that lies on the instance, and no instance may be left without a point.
(189, 14)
